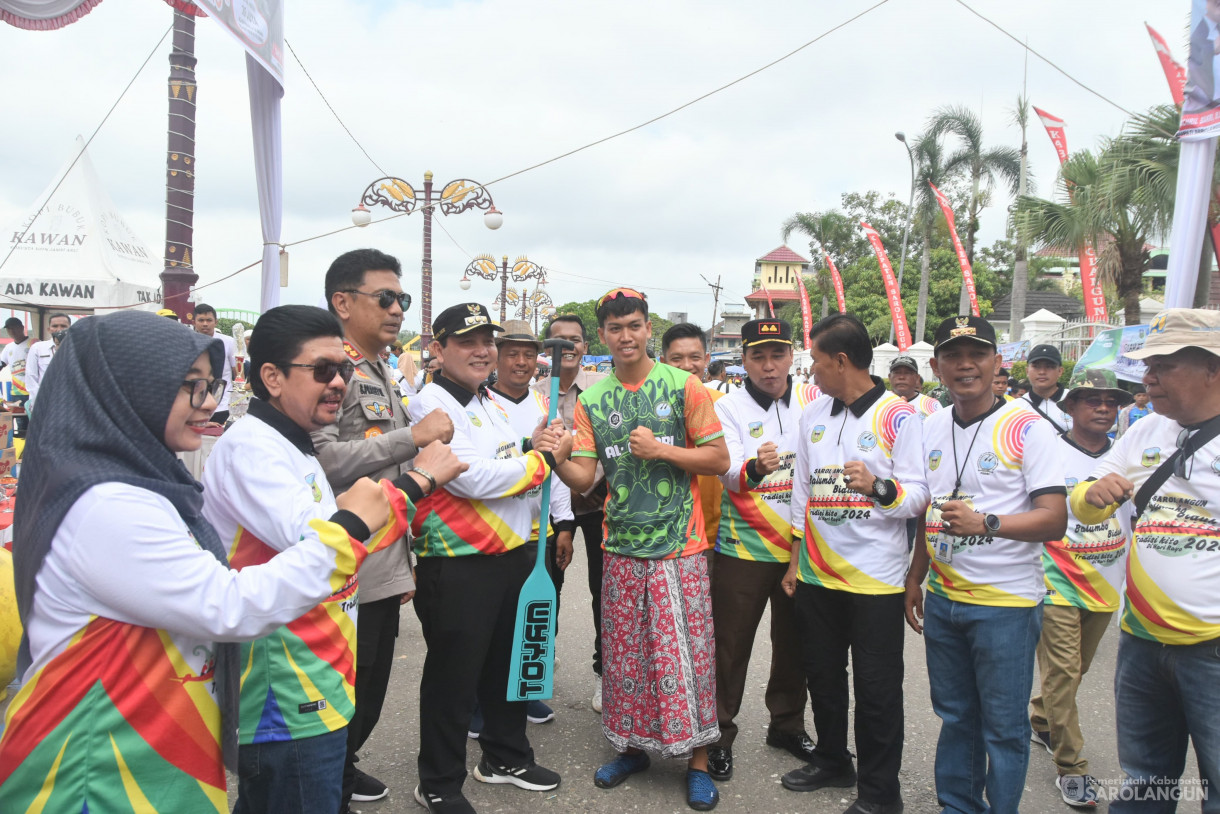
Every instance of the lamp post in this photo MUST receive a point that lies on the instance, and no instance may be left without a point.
(902, 260)
(526, 306)
(535, 305)
(398, 196)
(485, 266)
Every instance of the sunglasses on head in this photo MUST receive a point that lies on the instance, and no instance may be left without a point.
(324, 372)
(385, 297)
(202, 388)
(626, 293)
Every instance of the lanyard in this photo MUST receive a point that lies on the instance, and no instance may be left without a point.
(957, 483)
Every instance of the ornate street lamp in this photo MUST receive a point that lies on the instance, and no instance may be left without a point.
(485, 266)
(456, 197)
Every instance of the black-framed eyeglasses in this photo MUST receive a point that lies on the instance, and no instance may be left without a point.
(385, 297)
(201, 388)
(324, 372)
(1185, 464)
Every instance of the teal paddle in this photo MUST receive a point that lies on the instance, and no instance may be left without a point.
(531, 671)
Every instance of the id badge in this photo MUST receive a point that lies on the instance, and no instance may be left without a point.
(943, 551)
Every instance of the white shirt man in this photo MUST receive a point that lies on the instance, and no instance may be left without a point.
(41, 354)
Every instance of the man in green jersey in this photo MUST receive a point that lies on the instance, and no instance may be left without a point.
(652, 427)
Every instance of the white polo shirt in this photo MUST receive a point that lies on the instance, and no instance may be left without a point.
(1004, 459)
(1172, 592)
(851, 542)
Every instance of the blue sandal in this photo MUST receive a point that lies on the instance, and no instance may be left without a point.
(619, 769)
(701, 793)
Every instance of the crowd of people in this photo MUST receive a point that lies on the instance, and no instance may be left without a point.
(249, 621)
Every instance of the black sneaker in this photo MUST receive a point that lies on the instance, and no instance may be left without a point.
(720, 762)
(368, 788)
(444, 804)
(812, 778)
(865, 807)
(798, 744)
(530, 777)
(1043, 739)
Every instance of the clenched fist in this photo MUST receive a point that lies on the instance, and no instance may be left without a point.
(367, 501)
(1109, 489)
(435, 426)
(767, 459)
(438, 460)
(645, 445)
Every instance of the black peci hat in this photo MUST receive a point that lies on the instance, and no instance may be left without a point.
(459, 319)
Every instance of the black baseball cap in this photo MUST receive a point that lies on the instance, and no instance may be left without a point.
(905, 361)
(13, 322)
(1049, 353)
(463, 318)
(758, 331)
(962, 328)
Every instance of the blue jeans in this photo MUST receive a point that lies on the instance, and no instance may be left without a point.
(980, 671)
(303, 776)
(1166, 694)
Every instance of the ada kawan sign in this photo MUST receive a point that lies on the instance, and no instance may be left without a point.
(74, 250)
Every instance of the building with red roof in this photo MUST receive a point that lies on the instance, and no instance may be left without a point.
(777, 272)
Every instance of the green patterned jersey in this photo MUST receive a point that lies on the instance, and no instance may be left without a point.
(652, 509)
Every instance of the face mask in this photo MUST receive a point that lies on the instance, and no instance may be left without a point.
(58, 336)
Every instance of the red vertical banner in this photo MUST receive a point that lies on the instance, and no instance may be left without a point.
(837, 279)
(770, 304)
(1094, 297)
(806, 317)
(1055, 129)
(1175, 74)
(902, 333)
(962, 259)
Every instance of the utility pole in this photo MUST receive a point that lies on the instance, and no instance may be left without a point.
(1020, 271)
(715, 304)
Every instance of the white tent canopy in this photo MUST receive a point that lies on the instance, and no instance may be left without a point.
(74, 252)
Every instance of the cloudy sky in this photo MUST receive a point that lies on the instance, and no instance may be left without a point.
(480, 90)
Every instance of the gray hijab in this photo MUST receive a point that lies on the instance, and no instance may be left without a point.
(102, 408)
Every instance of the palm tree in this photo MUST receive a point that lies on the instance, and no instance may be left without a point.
(1117, 199)
(833, 232)
(983, 165)
(929, 168)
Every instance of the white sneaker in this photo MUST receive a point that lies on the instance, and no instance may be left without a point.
(596, 703)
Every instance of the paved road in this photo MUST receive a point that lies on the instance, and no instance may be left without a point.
(573, 745)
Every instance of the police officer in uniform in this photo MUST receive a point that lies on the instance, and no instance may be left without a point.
(372, 439)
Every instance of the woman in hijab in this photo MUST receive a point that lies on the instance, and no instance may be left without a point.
(129, 606)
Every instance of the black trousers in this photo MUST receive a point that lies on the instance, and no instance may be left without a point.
(376, 630)
(591, 525)
(832, 623)
(22, 422)
(467, 607)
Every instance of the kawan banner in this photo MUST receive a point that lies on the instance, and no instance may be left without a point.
(962, 259)
(1094, 297)
(837, 279)
(902, 333)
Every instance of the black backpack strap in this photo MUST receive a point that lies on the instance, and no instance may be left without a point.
(1154, 482)
(1207, 431)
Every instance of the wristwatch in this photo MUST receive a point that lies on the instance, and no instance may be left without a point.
(992, 522)
(881, 490)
